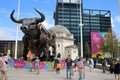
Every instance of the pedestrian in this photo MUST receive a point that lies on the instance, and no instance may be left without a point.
(3, 68)
(30, 65)
(55, 63)
(104, 64)
(69, 67)
(5, 57)
(37, 65)
(117, 69)
(75, 64)
(58, 67)
(80, 67)
(91, 64)
(111, 69)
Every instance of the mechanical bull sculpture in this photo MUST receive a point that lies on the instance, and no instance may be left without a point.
(36, 37)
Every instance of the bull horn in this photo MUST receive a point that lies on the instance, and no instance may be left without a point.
(42, 16)
(13, 19)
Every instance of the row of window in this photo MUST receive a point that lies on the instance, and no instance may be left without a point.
(74, 9)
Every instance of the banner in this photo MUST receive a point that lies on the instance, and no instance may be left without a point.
(96, 39)
(19, 63)
(27, 64)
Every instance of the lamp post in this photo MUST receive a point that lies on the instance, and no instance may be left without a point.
(16, 41)
(81, 26)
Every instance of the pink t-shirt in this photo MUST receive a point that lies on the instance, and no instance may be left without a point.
(2, 63)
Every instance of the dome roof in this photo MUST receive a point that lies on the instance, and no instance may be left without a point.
(60, 29)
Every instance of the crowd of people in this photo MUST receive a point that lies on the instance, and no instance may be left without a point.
(72, 66)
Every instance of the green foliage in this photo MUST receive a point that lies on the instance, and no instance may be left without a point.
(110, 43)
(87, 49)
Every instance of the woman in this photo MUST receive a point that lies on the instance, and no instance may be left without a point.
(3, 68)
(117, 69)
(80, 67)
(91, 64)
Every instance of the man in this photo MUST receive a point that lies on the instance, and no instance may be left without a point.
(104, 63)
(3, 68)
(69, 67)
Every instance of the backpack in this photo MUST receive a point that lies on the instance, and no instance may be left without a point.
(80, 65)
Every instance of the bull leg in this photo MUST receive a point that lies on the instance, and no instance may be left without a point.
(25, 51)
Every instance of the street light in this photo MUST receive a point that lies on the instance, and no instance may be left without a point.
(16, 41)
(81, 25)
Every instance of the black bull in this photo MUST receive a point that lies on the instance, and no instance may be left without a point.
(36, 37)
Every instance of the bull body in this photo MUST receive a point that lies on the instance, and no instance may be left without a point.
(36, 37)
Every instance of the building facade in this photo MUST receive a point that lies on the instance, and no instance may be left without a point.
(64, 42)
(68, 14)
(9, 45)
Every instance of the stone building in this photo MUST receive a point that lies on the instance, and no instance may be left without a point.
(64, 42)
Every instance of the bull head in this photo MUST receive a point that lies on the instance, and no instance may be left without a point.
(29, 25)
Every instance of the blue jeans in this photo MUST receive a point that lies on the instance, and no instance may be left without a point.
(57, 71)
(69, 72)
(80, 78)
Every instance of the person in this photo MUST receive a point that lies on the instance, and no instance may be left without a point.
(37, 65)
(95, 60)
(80, 67)
(73, 68)
(55, 62)
(111, 69)
(75, 63)
(91, 64)
(69, 67)
(117, 69)
(104, 63)
(3, 68)
(58, 67)
(31, 66)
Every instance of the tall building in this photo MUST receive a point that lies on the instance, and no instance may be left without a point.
(68, 14)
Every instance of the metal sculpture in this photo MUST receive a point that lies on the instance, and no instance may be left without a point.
(36, 37)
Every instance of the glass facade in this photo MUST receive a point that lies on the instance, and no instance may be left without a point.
(67, 13)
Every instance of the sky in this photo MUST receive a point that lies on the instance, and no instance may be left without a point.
(47, 7)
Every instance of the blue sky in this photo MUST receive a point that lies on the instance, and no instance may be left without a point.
(47, 7)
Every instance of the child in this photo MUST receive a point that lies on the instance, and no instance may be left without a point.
(37, 65)
(58, 67)
(73, 68)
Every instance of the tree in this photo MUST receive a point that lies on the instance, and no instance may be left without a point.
(87, 49)
(110, 43)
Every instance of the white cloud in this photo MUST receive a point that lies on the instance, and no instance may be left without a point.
(8, 33)
(47, 25)
(112, 22)
(117, 18)
(35, 0)
(3, 11)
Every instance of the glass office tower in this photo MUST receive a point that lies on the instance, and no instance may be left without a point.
(67, 13)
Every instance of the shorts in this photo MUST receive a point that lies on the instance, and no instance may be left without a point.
(3, 72)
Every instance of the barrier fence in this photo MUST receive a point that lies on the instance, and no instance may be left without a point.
(27, 64)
